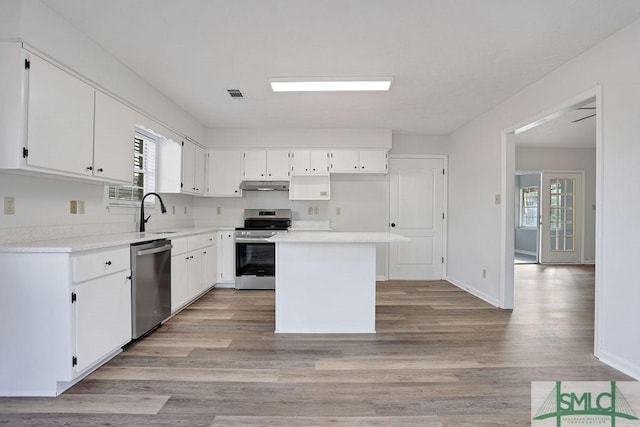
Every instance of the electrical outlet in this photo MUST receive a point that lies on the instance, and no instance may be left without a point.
(310, 210)
(73, 207)
(9, 205)
(338, 211)
(316, 210)
(81, 207)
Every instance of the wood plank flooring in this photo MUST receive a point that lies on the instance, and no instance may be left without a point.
(441, 357)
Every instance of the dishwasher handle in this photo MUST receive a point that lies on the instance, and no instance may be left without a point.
(154, 250)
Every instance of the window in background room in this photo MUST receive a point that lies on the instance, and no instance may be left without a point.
(529, 207)
(144, 171)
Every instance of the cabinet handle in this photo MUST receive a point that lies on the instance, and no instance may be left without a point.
(362, 167)
(355, 167)
(393, 224)
(204, 252)
(108, 262)
(100, 170)
(191, 257)
(187, 258)
(89, 168)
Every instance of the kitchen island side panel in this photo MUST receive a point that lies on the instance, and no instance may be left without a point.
(325, 287)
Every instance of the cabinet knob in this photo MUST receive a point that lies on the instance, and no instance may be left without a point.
(204, 252)
(306, 170)
(355, 167)
(108, 262)
(235, 191)
(99, 169)
(393, 224)
(362, 167)
(89, 168)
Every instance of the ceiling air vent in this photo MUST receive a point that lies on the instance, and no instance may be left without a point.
(235, 93)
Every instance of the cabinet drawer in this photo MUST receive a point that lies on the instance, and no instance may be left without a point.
(96, 264)
(180, 245)
(201, 240)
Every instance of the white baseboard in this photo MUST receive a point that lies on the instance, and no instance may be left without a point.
(491, 300)
(381, 278)
(621, 365)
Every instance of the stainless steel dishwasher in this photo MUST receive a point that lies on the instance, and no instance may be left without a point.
(150, 285)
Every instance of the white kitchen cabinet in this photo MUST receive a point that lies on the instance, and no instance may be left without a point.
(226, 258)
(209, 266)
(309, 162)
(354, 161)
(114, 130)
(55, 123)
(224, 173)
(60, 120)
(266, 165)
(179, 273)
(72, 313)
(180, 167)
(193, 268)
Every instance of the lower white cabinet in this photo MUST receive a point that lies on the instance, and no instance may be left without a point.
(193, 268)
(226, 258)
(102, 317)
(70, 313)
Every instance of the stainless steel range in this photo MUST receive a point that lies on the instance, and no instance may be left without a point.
(255, 255)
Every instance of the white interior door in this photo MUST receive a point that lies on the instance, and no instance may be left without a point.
(562, 213)
(416, 211)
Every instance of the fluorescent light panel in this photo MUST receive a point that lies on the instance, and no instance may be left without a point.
(333, 84)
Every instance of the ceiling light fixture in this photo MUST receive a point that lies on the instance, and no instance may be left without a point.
(330, 84)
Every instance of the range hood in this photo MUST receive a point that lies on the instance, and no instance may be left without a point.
(264, 185)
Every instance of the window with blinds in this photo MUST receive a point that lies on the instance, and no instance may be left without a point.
(144, 171)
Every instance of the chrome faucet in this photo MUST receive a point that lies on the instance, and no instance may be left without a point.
(144, 220)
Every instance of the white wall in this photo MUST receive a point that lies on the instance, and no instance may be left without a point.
(42, 204)
(420, 144)
(584, 159)
(299, 138)
(475, 158)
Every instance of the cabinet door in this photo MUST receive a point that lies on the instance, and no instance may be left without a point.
(344, 161)
(198, 168)
(102, 317)
(194, 273)
(224, 173)
(113, 140)
(60, 120)
(179, 280)
(209, 266)
(226, 257)
(318, 161)
(300, 162)
(255, 164)
(373, 161)
(188, 170)
(278, 164)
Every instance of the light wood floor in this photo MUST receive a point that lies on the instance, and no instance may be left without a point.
(441, 357)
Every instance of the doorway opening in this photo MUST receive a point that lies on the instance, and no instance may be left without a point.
(562, 146)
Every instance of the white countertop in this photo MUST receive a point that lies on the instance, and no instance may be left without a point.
(85, 243)
(337, 237)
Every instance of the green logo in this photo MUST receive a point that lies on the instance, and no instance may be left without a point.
(587, 405)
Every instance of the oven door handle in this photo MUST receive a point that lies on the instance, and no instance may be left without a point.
(253, 240)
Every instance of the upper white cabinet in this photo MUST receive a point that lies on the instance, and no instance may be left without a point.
(181, 167)
(53, 122)
(114, 128)
(193, 161)
(309, 162)
(354, 161)
(266, 165)
(224, 173)
(60, 120)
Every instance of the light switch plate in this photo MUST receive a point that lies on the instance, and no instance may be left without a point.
(73, 207)
(81, 207)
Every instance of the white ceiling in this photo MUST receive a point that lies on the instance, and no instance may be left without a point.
(451, 59)
(573, 129)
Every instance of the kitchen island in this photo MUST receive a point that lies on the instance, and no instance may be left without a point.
(326, 281)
